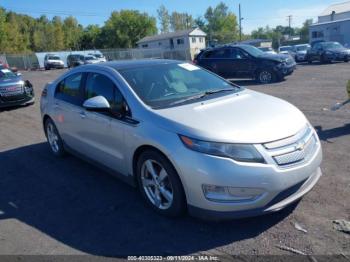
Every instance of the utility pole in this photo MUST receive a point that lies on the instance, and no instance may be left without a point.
(290, 24)
(240, 23)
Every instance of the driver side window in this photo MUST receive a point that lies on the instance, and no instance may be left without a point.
(100, 85)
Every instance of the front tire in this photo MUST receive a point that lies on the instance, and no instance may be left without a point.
(54, 139)
(266, 76)
(160, 184)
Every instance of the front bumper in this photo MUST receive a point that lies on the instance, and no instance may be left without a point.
(300, 57)
(57, 66)
(17, 100)
(285, 70)
(338, 57)
(281, 186)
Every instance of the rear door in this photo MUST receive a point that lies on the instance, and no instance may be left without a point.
(67, 108)
(217, 61)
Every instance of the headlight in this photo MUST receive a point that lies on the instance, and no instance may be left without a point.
(282, 64)
(238, 152)
(329, 53)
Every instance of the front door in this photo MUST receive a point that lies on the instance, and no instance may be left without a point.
(102, 132)
(242, 64)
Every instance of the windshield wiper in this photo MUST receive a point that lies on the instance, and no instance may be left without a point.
(201, 95)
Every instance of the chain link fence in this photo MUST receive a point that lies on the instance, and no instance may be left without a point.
(34, 61)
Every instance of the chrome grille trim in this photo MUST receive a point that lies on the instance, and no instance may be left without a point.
(288, 140)
(295, 149)
(299, 155)
(17, 90)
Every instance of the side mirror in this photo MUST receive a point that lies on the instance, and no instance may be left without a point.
(97, 103)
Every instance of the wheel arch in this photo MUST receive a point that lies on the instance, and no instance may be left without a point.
(144, 148)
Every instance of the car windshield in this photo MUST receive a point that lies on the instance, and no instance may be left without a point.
(252, 50)
(6, 73)
(54, 58)
(302, 47)
(285, 48)
(165, 85)
(89, 58)
(332, 45)
(98, 55)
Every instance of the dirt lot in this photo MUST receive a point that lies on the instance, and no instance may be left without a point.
(67, 206)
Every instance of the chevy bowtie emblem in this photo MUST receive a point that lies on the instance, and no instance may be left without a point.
(300, 146)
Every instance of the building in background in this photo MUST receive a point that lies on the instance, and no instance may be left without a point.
(192, 39)
(333, 25)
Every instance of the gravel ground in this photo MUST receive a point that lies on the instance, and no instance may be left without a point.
(66, 206)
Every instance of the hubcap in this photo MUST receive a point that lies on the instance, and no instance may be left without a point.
(52, 137)
(265, 77)
(156, 184)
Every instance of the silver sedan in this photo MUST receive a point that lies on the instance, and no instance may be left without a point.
(188, 139)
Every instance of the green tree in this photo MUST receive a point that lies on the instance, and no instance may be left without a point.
(72, 33)
(123, 29)
(90, 37)
(3, 33)
(58, 34)
(221, 24)
(164, 19)
(181, 21)
(304, 30)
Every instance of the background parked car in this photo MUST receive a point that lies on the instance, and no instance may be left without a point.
(13, 90)
(246, 61)
(287, 50)
(74, 60)
(99, 57)
(326, 52)
(53, 61)
(300, 52)
(90, 59)
(268, 50)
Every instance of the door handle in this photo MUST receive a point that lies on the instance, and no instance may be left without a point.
(82, 114)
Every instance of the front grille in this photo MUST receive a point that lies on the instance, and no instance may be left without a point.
(295, 149)
(11, 90)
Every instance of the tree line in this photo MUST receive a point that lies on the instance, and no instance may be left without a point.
(22, 33)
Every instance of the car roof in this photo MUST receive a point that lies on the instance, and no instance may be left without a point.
(127, 64)
(224, 46)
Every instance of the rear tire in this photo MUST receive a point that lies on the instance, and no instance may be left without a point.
(159, 184)
(54, 139)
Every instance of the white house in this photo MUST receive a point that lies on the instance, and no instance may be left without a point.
(333, 24)
(193, 39)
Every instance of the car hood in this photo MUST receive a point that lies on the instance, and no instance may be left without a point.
(245, 117)
(275, 57)
(338, 50)
(11, 80)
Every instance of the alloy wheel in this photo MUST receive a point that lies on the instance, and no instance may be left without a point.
(156, 184)
(52, 137)
(265, 77)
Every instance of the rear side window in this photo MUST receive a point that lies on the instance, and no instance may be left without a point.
(100, 85)
(69, 89)
(219, 53)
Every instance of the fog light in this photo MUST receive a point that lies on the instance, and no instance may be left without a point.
(231, 194)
